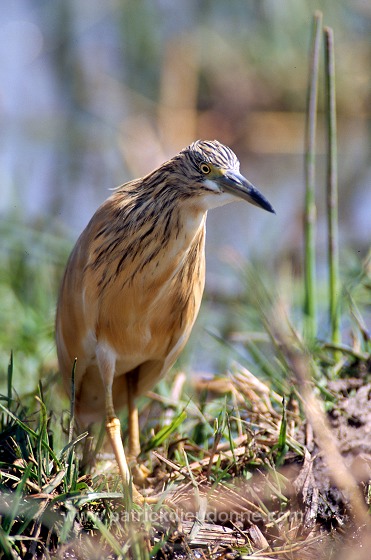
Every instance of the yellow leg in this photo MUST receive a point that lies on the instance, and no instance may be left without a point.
(140, 473)
(107, 363)
(113, 428)
(133, 417)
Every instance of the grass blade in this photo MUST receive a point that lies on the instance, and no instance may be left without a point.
(42, 455)
(17, 497)
(282, 446)
(10, 379)
(107, 535)
(165, 432)
(72, 404)
(6, 547)
(31, 433)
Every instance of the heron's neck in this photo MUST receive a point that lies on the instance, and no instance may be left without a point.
(184, 231)
(150, 235)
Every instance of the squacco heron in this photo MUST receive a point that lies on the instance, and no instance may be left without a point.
(134, 282)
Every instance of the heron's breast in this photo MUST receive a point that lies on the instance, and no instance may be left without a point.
(148, 317)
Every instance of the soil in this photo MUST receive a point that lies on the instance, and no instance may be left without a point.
(317, 522)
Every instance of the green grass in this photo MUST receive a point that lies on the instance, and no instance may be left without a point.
(31, 260)
(48, 503)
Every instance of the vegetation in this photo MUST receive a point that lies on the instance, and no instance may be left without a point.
(242, 457)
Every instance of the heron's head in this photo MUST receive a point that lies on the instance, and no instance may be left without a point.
(212, 171)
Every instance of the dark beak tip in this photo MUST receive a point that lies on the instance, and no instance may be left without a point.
(239, 186)
(265, 205)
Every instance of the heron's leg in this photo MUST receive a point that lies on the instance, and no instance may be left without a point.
(133, 417)
(106, 362)
(88, 457)
(140, 473)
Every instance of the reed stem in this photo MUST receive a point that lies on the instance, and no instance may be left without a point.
(310, 205)
(332, 187)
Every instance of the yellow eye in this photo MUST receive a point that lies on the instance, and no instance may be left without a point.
(205, 168)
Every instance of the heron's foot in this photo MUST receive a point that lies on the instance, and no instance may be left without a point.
(113, 428)
(139, 472)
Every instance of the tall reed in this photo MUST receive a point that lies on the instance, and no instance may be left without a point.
(332, 187)
(310, 204)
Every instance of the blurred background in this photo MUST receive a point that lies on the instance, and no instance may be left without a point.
(93, 94)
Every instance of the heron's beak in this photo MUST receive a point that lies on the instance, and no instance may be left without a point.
(237, 185)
